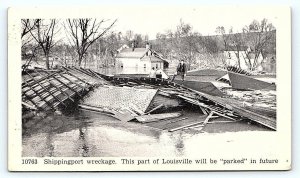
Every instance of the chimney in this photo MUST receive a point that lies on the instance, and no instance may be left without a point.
(148, 49)
(132, 45)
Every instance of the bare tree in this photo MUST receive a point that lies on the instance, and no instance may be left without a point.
(256, 37)
(237, 44)
(191, 46)
(84, 32)
(260, 39)
(43, 35)
(185, 43)
(106, 49)
(28, 47)
(233, 42)
(27, 26)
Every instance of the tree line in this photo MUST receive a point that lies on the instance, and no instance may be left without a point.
(208, 51)
(86, 40)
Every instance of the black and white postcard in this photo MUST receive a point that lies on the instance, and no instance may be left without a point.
(149, 88)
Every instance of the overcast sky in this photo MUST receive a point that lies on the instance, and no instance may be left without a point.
(149, 20)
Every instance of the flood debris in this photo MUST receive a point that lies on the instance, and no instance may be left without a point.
(117, 98)
(54, 91)
(238, 70)
(156, 117)
(224, 78)
(243, 82)
(256, 98)
(154, 109)
(200, 123)
(123, 115)
(153, 102)
(205, 87)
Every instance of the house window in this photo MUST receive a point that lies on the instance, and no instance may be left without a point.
(157, 66)
(145, 65)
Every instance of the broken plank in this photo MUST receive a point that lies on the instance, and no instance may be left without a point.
(184, 126)
(164, 93)
(154, 109)
(98, 76)
(213, 122)
(122, 115)
(185, 122)
(97, 109)
(225, 116)
(157, 117)
(208, 117)
(203, 110)
(29, 105)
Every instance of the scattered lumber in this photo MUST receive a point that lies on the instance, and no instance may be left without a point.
(185, 126)
(156, 117)
(171, 127)
(154, 109)
(122, 115)
(97, 109)
(48, 90)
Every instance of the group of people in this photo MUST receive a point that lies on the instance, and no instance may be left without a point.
(156, 73)
(180, 70)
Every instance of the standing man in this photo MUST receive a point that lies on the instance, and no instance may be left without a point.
(152, 73)
(181, 70)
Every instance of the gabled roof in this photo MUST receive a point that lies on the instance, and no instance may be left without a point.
(139, 53)
(155, 59)
(128, 53)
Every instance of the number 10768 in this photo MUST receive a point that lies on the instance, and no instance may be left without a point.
(29, 161)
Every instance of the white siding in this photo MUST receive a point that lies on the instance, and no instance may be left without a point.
(136, 65)
(133, 66)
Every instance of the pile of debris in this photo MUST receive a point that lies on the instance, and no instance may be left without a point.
(156, 103)
(153, 102)
(52, 90)
(258, 98)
